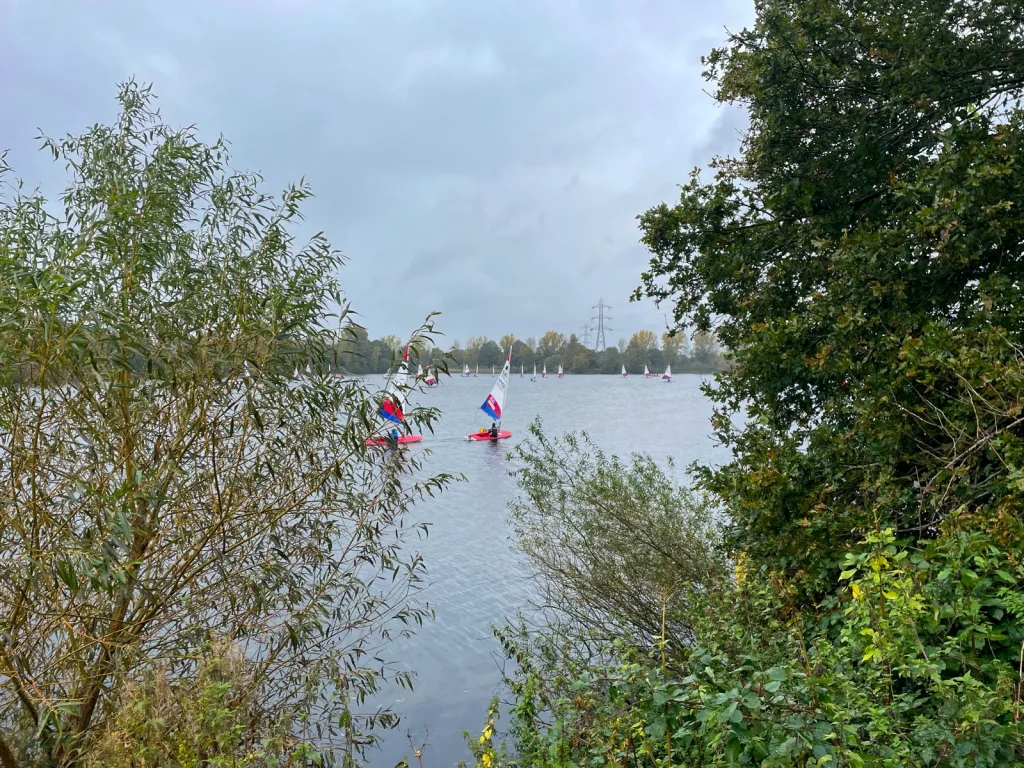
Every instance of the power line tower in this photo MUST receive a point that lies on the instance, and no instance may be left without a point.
(601, 318)
(586, 336)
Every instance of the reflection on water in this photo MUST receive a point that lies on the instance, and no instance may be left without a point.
(474, 577)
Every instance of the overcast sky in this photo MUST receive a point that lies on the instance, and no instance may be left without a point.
(484, 158)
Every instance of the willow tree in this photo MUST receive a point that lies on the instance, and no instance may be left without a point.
(165, 492)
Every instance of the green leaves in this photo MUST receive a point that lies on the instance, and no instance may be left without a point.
(162, 482)
(891, 686)
(856, 259)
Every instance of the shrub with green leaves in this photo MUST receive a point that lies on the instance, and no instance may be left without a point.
(163, 484)
(619, 546)
(915, 663)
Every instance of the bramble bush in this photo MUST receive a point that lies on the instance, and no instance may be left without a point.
(914, 662)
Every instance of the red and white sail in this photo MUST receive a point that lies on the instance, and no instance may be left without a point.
(495, 401)
(667, 375)
(624, 374)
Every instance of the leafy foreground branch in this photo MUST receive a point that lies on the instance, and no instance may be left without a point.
(914, 661)
(202, 562)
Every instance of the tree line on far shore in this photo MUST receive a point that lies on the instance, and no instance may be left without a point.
(700, 352)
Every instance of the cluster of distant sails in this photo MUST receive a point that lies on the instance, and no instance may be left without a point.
(666, 376)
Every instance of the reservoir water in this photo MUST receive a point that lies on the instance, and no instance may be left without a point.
(475, 578)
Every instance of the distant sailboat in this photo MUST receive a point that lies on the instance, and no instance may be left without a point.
(544, 373)
(309, 371)
(624, 374)
(560, 374)
(667, 375)
(534, 377)
(521, 371)
(477, 370)
(392, 406)
(466, 371)
(493, 405)
(419, 372)
(431, 380)
(647, 372)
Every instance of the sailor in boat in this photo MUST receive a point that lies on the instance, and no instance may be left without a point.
(392, 438)
(494, 430)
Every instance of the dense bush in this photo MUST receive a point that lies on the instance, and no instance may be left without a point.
(914, 663)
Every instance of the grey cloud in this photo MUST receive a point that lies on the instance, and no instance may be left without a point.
(484, 159)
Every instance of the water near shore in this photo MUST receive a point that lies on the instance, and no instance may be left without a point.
(474, 577)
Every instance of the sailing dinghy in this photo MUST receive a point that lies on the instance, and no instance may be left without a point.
(466, 371)
(647, 372)
(560, 374)
(624, 374)
(667, 375)
(494, 403)
(431, 380)
(534, 377)
(392, 405)
(544, 373)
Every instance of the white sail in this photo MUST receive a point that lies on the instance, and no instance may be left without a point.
(647, 372)
(560, 374)
(624, 374)
(466, 371)
(544, 373)
(419, 371)
(495, 401)
(667, 376)
(431, 377)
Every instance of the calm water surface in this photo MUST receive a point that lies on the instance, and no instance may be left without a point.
(474, 577)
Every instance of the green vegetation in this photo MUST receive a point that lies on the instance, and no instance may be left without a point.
(356, 353)
(202, 564)
(861, 262)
